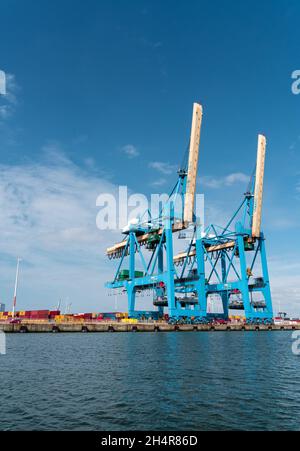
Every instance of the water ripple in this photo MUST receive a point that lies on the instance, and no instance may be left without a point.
(205, 381)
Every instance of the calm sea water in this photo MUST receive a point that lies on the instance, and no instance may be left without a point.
(160, 381)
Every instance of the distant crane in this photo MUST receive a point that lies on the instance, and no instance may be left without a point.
(218, 261)
(16, 288)
(58, 305)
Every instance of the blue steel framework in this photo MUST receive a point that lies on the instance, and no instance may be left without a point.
(224, 260)
(220, 260)
(183, 285)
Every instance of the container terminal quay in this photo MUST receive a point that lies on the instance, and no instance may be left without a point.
(228, 263)
(139, 327)
(53, 321)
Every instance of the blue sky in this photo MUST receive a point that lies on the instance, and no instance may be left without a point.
(101, 90)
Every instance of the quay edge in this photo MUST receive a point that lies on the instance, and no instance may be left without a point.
(137, 327)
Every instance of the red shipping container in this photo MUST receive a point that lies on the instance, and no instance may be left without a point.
(88, 315)
(39, 315)
(39, 318)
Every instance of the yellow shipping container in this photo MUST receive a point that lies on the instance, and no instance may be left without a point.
(121, 315)
(59, 318)
(22, 313)
(77, 320)
(129, 320)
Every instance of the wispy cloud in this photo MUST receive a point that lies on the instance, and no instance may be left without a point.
(285, 284)
(2, 83)
(48, 212)
(158, 182)
(151, 44)
(163, 168)
(295, 143)
(9, 101)
(228, 180)
(130, 151)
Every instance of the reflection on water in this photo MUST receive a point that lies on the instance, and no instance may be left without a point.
(158, 381)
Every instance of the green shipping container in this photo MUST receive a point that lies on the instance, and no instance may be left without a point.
(124, 274)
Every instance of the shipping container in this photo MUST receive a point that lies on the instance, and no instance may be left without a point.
(39, 315)
(125, 274)
(109, 315)
(87, 315)
(152, 315)
(129, 320)
(54, 312)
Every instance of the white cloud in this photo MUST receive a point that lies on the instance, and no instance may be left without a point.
(163, 168)
(90, 163)
(9, 100)
(228, 180)
(2, 82)
(131, 151)
(5, 112)
(285, 284)
(48, 217)
(159, 182)
(294, 144)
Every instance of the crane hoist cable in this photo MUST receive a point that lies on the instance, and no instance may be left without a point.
(184, 162)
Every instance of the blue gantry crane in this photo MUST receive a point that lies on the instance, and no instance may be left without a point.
(228, 262)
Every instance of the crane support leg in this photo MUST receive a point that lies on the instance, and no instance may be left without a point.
(244, 279)
(131, 287)
(224, 280)
(266, 290)
(202, 299)
(160, 264)
(131, 299)
(170, 274)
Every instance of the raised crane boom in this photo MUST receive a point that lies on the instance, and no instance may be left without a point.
(259, 186)
(192, 165)
(189, 188)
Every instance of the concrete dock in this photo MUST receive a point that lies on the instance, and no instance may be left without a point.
(31, 327)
